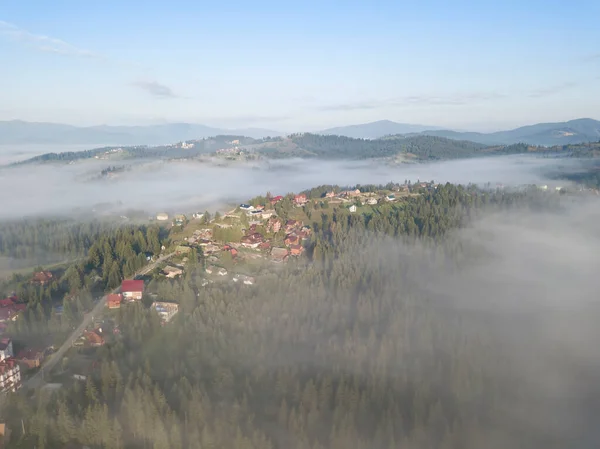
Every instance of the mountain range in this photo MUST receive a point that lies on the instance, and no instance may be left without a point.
(546, 134)
(21, 132)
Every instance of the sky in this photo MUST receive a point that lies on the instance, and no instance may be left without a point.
(300, 66)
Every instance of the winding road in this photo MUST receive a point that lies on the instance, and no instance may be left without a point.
(37, 380)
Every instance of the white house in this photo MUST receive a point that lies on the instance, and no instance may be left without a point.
(10, 375)
(352, 208)
(6, 348)
(162, 217)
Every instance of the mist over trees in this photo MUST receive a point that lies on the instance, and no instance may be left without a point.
(363, 344)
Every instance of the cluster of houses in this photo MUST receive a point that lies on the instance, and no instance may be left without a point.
(133, 291)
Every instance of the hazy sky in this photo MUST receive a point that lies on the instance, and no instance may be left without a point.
(302, 65)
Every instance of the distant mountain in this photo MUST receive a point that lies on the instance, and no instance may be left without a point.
(376, 130)
(547, 134)
(20, 132)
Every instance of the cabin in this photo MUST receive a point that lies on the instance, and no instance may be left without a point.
(132, 290)
(113, 301)
(42, 278)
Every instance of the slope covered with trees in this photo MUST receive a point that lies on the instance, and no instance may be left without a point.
(343, 349)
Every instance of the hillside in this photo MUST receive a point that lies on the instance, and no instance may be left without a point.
(375, 130)
(20, 132)
(546, 134)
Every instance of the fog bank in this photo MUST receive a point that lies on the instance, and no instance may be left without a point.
(192, 185)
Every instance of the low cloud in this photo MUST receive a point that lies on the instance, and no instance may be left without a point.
(42, 42)
(198, 185)
(156, 89)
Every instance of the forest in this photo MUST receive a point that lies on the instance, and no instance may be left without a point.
(346, 348)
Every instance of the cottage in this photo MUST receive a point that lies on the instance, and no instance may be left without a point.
(391, 197)
(279, 255)
(30, 358)
(300, 200)
(291, 239)
(209, 269)
(11, 313)
(276, 199)
(274, 225)
(291, 225)
(42, 278)
(247, 280)
(330, 194)
(252, 240)
(352, 208)
(172, 272)
(180, 219)
(246, 207)
(10, 375)
(94, 338)
(372, 201)
(113, 301)
(222, 272)
(162, 217)
(266, 214)
(166, 310)
(132, 290)
(296, 250)
(6, 348)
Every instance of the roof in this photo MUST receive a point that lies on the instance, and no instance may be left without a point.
(129, 286)
(29, 354)
(114, 297)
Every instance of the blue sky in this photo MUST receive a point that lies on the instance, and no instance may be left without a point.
(300, 65)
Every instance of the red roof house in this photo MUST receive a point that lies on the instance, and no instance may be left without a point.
(132, 289)
(300, 199)
(276, 199)
(113, 301)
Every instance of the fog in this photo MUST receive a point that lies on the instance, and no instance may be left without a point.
(188, 186)
(16, 153)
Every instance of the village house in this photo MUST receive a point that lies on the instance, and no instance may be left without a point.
(291, 239)
(266, 214)
(279, 255)
(350, 193)
(252, 240)
(292, 225)
(296, 250)
(372, 201)
(6, 348)
(352, 208)
(30, 358)
(330, 194)
(113, 301)
(172, 272)
(276, 199)
(273, 225)
(246, 207)
(300, 199)
(11, 313)
(162, 216)
(10, 375)
(231, 250)
(209, 269)
(222, 272)
(166, 310)
(180, 219)
(42, 278)
(94, 338)
(132, 290)
(206, 233)
(390, 197)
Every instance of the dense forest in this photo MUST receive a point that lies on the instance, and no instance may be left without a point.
(346, 348)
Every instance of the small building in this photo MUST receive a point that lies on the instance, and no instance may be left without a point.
(247, 280)
(11, 313)
(6, 348)
(330, 194)
(276, 199)
(210, 269)
(300, 199)
(10, 375)
(352, 208)
(30, 358)
(172, 272)
(132, 290)
(166, 310)
(291, 239)
(273, 225)
(222, 272)
(372, 201)
(246, 207)
(113, 301)
(296, 250)
(197, 215)
(162, 216)
(94, 338)
(42, 278)
(390, 197)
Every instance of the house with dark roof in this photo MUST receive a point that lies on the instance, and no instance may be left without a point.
(42, 278)
(132, 290)
(30, 358)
